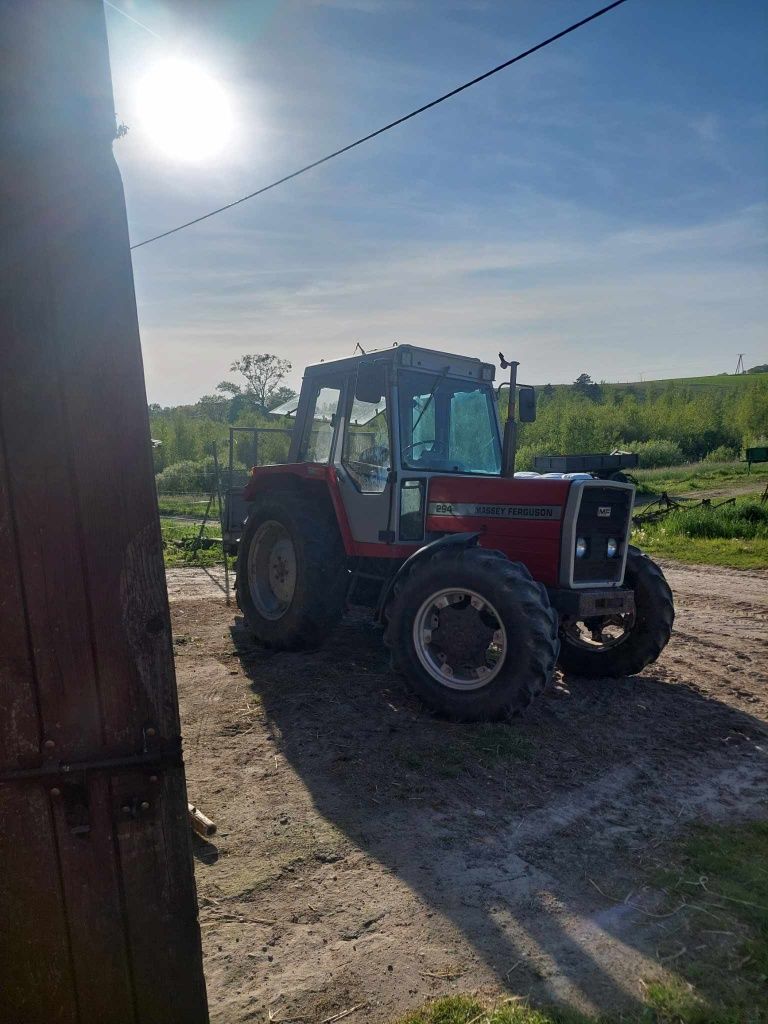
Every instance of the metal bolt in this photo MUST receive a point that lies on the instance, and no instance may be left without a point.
(126, 808)
(55, 791)
(49, 744)
(144, 805)
(151, 731)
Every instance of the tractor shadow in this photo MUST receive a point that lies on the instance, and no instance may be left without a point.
(500, 829)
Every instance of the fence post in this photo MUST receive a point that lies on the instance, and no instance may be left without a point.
(221, 524)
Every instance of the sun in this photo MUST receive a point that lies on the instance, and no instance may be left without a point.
(184, 111)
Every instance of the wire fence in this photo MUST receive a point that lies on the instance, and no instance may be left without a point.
(192, 496)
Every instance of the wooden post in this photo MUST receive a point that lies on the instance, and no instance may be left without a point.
(98, 914)
(224, 555)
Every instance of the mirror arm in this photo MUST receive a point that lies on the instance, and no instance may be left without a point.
(510, 426)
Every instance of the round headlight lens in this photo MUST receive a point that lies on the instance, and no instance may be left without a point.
(612, 547)
(581, 547)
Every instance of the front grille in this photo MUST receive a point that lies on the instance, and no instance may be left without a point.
(603, 513)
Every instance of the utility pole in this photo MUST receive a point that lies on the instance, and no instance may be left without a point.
(98, 913)
(740, 363)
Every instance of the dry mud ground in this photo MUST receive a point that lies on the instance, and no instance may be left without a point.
(371, 856)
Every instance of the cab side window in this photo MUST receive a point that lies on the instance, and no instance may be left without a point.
(366, 445)
(317, 443)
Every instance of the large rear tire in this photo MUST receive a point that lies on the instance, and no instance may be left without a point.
(291, 571)
(473, 634)
(622, 645)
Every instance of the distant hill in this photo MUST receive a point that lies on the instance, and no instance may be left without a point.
(721, 382)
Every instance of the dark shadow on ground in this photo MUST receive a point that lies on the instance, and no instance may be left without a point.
(480, 820)
(204, 850)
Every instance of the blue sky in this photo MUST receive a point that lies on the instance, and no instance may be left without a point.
(599, 207)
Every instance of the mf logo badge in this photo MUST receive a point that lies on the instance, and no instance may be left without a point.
(604, 512)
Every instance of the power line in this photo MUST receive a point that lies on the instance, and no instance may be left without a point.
(131, 18)
(387, 127)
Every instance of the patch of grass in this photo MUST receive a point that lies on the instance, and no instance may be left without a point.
(724, 871)
(745, 520)
(465, 1010)
(179, 540)
(722, 975)
(496, 743)
(698, 476)
(731, 554)
(735, 536)
(185, 505)
(458, 749)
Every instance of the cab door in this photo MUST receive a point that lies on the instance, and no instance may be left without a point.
(364, 455)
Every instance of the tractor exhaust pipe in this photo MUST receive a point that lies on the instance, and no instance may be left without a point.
(509, 448)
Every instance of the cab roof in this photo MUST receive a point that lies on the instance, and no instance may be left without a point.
(411, 356)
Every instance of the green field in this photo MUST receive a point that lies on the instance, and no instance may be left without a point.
(186, 505)
(734, 536)
(714, 384)
(700, 476)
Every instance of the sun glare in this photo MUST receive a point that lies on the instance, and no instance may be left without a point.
(184, 111)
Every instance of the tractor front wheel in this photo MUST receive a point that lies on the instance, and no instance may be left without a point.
(473, 634)
(622, 645)
(291, 571)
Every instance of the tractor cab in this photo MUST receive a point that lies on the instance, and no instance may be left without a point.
(389, 421)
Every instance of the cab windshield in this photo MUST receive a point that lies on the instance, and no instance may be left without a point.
(447, 424)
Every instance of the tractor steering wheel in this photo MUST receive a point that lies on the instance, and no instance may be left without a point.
(413, 444)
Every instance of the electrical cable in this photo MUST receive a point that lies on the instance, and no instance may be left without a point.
(387, 127)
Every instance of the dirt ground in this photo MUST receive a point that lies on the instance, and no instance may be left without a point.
(370, 856)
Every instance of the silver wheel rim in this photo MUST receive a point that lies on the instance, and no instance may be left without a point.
(472, 647)
(598, 635)
(272, 570)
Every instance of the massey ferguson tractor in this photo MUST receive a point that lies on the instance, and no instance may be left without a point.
(399, 493)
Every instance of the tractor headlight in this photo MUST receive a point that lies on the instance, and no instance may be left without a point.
(581, 547)
(612, 547)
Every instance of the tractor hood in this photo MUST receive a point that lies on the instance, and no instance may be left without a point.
(536, 521)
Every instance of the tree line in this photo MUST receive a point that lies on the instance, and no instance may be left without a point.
(666, 422)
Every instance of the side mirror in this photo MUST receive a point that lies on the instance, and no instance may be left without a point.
(526, 403)
(371, 382)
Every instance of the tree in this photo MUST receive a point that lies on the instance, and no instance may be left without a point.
(214, 407)
(584, 385)
(263, 375)
(760, 368)
(281, 395)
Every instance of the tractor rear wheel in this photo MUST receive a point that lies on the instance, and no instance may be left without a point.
(291, 571)
(622, 645)
(473, 634)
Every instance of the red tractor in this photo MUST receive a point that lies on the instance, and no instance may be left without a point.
(399, 494)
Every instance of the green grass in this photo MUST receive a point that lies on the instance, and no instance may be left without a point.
(720, 874)
(713, 384)
(734, 536)
(458, 749)
(179, 540)
(465, 1010)
(730, 554)
(723, 872)
(699, 476)
(185, 505)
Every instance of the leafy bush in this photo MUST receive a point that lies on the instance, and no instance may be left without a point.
(658, 452)
(723, 453)
(186, 477)
(524, 456)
